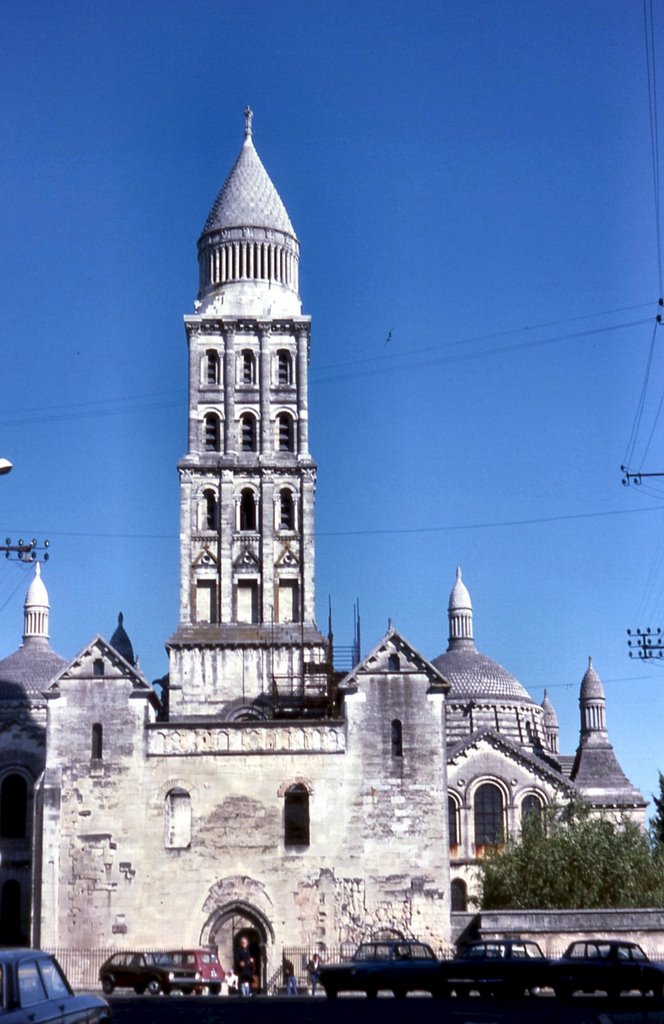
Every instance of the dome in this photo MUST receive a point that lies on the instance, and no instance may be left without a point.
(474, 676)
(248, 253)
(591, 684)
(121, 643)
(248, 197)
(550, 716)
(29, 670)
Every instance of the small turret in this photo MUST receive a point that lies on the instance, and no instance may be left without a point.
(460, 616)
(551, 727)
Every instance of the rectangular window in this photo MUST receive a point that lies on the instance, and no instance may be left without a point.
(247, 601)
(289, 601)
(206, 604)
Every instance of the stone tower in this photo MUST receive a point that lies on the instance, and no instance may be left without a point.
(247, 644)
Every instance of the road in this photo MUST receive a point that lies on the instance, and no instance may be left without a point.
(304, 1010)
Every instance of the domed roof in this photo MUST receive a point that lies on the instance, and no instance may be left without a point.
(550, 716)
(36, 593)
(473, 675)
(29, 670)
(591, 685)
(121, 643)
(248, 197)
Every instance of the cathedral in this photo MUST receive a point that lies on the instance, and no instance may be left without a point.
(258, 790)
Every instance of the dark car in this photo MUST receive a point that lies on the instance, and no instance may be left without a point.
(508, 967)
(33, 988)
(206, 962)
(606, 965)
(399, 965)
(149, 972)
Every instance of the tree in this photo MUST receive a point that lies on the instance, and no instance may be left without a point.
(569, 858)
(657, 820)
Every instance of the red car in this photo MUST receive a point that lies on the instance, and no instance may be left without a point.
(206, 964)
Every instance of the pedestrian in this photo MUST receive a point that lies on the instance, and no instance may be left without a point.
(313, 969)
(289, 978)
(245, 966)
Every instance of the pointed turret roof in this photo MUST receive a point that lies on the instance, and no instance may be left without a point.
(28, 671)
(596, 772)
(472, 675)
(248, 197)
(121, 643)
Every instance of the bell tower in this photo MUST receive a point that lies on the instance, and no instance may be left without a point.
(247, 482)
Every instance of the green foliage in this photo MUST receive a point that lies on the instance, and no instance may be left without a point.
(657, 820)
(568, 859)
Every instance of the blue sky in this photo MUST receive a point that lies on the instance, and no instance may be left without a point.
(472, 180)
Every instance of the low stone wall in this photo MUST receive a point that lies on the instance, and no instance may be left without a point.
(555, 929)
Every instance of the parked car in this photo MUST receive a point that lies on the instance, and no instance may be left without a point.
(509, 967)
(399, 965)
(149, 972)
(206, 962)
(33, 988)
(606, 965)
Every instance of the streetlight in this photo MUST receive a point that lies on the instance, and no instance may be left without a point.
(5, 466)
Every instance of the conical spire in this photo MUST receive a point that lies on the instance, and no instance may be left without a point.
(35, 610)
(592, 702)
(248, 241)
(460, 616)
(121, 643)
(551, 727)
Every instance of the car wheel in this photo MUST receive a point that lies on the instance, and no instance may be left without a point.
(214, 990)
(154, 987)
(563, 992)
(399, 993)
(331, 993)
(372, 991)
(107, 985)
(139, 989)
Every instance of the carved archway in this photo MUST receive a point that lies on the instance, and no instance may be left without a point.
(228, 924)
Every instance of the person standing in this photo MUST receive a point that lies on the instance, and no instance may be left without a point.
(289, 977)
(313, 969)
(245, 966)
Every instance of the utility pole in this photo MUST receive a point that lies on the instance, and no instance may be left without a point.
(646, 643)
(26, 551)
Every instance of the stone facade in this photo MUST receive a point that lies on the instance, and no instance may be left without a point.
(256, 791)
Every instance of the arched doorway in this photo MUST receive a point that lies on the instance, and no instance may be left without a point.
(225, 930)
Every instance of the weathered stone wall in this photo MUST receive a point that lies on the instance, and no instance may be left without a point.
(115, 875)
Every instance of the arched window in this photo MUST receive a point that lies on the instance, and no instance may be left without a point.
(489, 817)
(284, 367)
(212, 432)
(98, 667)
(211, 367)
(453, 820)
(248, 367)
(393, 662)
(248, 432)
(397, 738)
(459, 893)
(531, 807)
(285, 432)
(13, 807)
(177, 819)
(286, 510)
(296, 816)
(209, 510)
(247, 510)
(97, 741)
